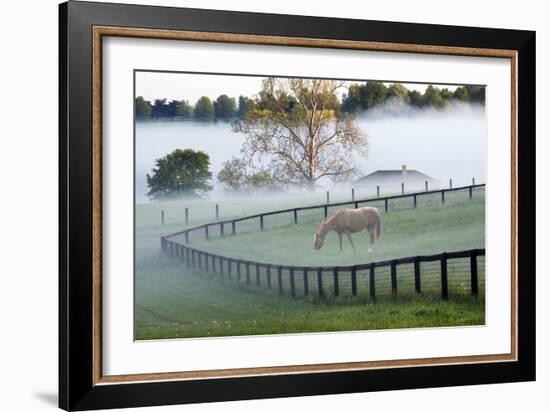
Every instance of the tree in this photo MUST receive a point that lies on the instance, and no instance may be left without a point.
(143, 108)
(184, 109)
(305, 141)
(233, 174)
(178, 173)
(476, 94)
(415, 98)
(461, 93)
(432, 97)
(245, 104)
(204, 109)
(224, 107)
(159, 108)
(362, 97)
(239, 177)
(398, 92)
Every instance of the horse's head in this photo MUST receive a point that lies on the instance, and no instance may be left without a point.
(317, 241)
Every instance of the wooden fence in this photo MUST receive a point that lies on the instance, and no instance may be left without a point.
(326, 280)
(230, 226)
(342, 280)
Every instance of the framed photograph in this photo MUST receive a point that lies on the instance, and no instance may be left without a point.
(257, 205)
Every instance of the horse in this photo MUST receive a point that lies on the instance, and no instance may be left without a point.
(350, 221)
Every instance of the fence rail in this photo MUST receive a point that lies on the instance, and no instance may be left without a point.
(410, 273)
(325, 206)
(342, 276)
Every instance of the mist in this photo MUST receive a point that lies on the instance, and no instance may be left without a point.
(445, 144)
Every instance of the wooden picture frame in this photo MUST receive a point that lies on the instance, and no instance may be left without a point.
(82, 385)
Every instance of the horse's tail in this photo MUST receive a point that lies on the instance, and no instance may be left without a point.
(378, 227)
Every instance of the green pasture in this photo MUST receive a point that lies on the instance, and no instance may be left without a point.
(173, 302)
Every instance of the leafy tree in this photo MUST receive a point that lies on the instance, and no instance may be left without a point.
(178, 173)
(224, 107)
(398, 92)
(159, 108)
(300, 133)
(233, 174)
(461, 93)
(364, 96)
(184, 109)
(204, 109)
(171, 109)
(446, 94)
(476, 94)
(432, 97)
(143, 108)
(415, 98)
(239, 177)
(245, 104)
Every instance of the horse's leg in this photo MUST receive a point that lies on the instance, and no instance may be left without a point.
(372, 240)
(351, 241)
(340, 239)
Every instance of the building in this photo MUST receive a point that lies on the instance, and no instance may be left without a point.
(390, 181)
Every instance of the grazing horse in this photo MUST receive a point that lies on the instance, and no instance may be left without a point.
(350, 221)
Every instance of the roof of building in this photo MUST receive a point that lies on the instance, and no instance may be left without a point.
(396, 176)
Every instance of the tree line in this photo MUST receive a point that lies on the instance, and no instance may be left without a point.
(360, 97)
(298, 133)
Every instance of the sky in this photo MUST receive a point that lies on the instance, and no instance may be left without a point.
(190, 87)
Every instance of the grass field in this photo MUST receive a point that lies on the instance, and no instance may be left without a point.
(172, 302)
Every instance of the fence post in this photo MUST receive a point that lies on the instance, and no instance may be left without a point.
(417, 286)
(326, 211)
(306, 283)
(262, 223)
(354, 281)
(280, 279)
(162, 217)
(222, 234)
(229, 269)
(206, 263)
(295, 216)
(393, 267)
(336, 283)
(386, 205)
(426, 183)
(221, 267)
(162, 248)
(193, 258)
(450, 183)
(187, 258)
(377, 191)
(217, 212)
(328, 197)
(257, 275)
(442, 196)
(444, 282)
(473, 181)
(269, 276)
(206, 232)
(356, 205)
(352, 194)
(470, 191)
(238, 263)
(186, 216)
(292, 284)
(320, 282)
(414, 201)
(247, 273)
(186, 237)
(233, 228)
(473, 273)
(402, 188)
(372, 285)
(213, 263)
